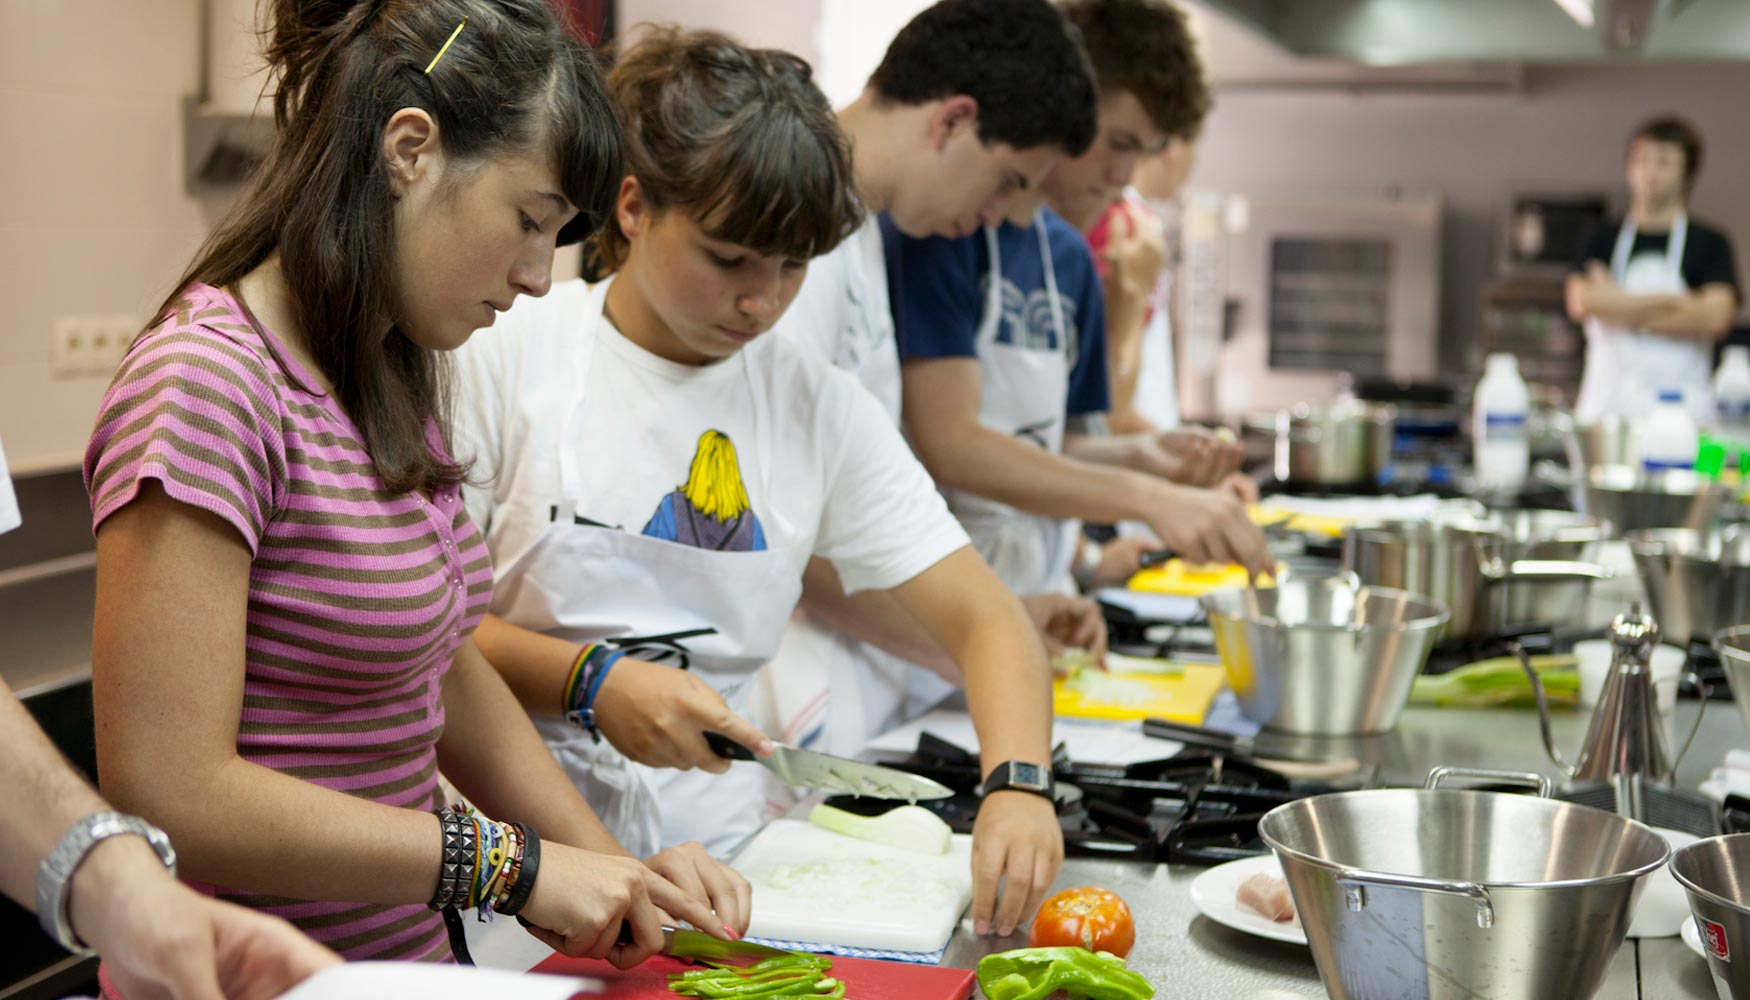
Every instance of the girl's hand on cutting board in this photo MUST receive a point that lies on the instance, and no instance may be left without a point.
(1066, 623)
(581, 898)
(1017, 844)
(704, 880)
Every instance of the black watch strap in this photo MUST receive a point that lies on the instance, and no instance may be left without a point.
(1021, 776)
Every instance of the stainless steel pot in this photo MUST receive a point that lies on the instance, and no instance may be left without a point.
(1322, 656)
(1433, 894)
(1339, 444)
(1697, 582)
(1474, 568)
(1711, 872)
(1610, 441)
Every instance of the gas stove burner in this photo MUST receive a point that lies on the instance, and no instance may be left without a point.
(1197, 807)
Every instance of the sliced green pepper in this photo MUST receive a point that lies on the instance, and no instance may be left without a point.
(1033, 973)
(784, 976)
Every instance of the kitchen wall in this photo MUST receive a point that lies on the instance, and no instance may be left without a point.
(94, 216)
(1563, 130)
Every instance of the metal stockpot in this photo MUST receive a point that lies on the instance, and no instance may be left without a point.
(1474, 568)
(1339, 444)
(1432, 894)
(1323, 657)
(1697, 582)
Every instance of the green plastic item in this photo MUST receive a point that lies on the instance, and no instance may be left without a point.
(1033, 973)
(1710, 457)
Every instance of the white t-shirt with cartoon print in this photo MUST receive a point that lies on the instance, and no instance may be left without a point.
(828, 475)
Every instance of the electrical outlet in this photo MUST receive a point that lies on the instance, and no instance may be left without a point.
(72, 347)
(91, 346)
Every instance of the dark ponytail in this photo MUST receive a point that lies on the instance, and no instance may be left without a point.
(511, 83)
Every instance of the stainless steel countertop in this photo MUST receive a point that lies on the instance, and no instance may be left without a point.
(1187, 955)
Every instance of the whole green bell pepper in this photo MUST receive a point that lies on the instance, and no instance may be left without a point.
(1032, 973)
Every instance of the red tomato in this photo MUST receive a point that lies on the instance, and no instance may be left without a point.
(1087, 917)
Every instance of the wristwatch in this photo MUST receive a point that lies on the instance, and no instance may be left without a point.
(1021, 776)
(54, 895)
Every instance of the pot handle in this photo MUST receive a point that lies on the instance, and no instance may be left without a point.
(1355, 883)
(1707, 693)
(1530, 779)
(1498, 571)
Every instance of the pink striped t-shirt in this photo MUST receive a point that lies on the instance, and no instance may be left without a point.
(358, 598)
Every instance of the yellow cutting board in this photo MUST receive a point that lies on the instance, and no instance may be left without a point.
(1181, 579)
(1181, 697)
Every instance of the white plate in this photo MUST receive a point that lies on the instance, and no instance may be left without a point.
(1691, 935)
(1213, 893)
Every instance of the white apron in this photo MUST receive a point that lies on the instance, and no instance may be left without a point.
(1625, 369)
(719, 613)
(1022, 393)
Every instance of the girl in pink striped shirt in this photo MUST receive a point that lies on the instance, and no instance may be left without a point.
(287, 578)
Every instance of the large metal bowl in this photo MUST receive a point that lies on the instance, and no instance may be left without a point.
(1733, 645)
(1716, 875)
(1632, 500)
(1697, 582)
(1323, 657)
(1433, 894)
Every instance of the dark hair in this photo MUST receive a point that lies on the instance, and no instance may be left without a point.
(512, 82)
(1019, 59)
(740, 139)
(1677, 132)
(1145, 47)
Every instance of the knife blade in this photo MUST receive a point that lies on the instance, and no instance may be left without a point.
(697, 946)
(810, 769)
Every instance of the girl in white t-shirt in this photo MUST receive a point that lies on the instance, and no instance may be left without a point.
(657, 475)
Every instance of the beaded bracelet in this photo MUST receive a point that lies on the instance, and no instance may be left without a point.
(522, 881)
(585, 681)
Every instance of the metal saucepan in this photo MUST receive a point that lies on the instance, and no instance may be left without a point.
(1474, 568)
(1430, 894)
(1338, 444)
(1322, 657)
(1697, 582)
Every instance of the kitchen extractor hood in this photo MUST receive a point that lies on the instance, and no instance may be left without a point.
(228, 126)
(1415, 32)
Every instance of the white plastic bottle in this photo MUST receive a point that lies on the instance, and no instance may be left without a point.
(1669, 439)
(1732, 394)
(1499, 433)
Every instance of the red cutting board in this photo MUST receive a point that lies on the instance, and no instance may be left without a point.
(865, 978)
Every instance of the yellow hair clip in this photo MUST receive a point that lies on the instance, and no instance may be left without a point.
(452, 40)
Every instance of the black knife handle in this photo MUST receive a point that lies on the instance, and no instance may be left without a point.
(1154, 557)
(723, 746)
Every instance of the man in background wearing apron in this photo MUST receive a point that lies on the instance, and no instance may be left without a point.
(1658, 291)
(1002, 338)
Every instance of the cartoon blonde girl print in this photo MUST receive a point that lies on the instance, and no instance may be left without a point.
(711, 511)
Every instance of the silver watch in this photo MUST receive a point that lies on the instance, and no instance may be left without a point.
(54, 879)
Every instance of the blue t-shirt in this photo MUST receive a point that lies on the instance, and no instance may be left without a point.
(939, 287)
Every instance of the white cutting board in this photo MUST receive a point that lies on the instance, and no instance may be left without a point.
(814, 885)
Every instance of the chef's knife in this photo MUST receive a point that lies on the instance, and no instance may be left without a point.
(808, 769)
(697, 946)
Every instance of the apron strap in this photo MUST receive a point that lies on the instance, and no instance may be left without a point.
(1051, 295)
(992, 320)
(665, 646)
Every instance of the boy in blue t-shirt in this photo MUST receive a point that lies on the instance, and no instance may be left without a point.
(1002, 341)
